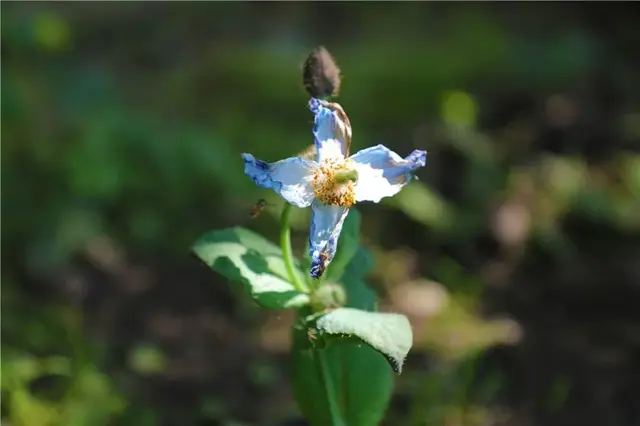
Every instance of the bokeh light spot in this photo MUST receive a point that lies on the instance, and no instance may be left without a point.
(459, 108)
(51, 32)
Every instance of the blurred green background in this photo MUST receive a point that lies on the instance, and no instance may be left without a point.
(516, 255)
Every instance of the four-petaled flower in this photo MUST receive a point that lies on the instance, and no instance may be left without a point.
(335, 181)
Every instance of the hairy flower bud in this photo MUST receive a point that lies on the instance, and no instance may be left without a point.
(320, 74)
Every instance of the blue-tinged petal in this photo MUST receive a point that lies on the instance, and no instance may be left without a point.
(332, 130)
(324, 231)
(291, 178)
(383, 173)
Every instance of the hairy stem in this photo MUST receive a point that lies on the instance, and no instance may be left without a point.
(287, 254)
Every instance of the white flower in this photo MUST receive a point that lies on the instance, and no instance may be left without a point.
(334, 182)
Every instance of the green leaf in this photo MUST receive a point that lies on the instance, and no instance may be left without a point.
(389, 334)
(359, 372)
(361, 377)
(348, 245)
(359, 294)
(361, 263)
(246, 257)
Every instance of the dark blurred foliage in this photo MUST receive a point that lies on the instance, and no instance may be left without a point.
(516, 255)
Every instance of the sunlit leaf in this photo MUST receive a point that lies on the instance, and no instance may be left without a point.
(246, 257)
(26, 410)
(389, 334)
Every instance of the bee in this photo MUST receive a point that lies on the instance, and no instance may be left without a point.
(318, 270)
(324, 258)
(312, 334)
(257, 208)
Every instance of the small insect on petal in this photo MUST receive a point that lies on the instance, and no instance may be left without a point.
(319, 266)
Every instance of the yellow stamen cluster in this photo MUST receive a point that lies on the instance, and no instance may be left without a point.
(330, 190)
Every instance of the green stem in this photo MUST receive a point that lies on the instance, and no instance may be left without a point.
(330, 390)
(287, 254)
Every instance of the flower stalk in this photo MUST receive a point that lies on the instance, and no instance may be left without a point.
(287, 253)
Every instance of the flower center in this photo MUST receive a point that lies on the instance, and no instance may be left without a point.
(334, 182)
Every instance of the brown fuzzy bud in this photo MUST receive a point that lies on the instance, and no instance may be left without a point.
(320, 74)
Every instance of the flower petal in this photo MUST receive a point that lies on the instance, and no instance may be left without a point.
(332, 130)
(291, 178)
(383, 173)
(324, 231)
